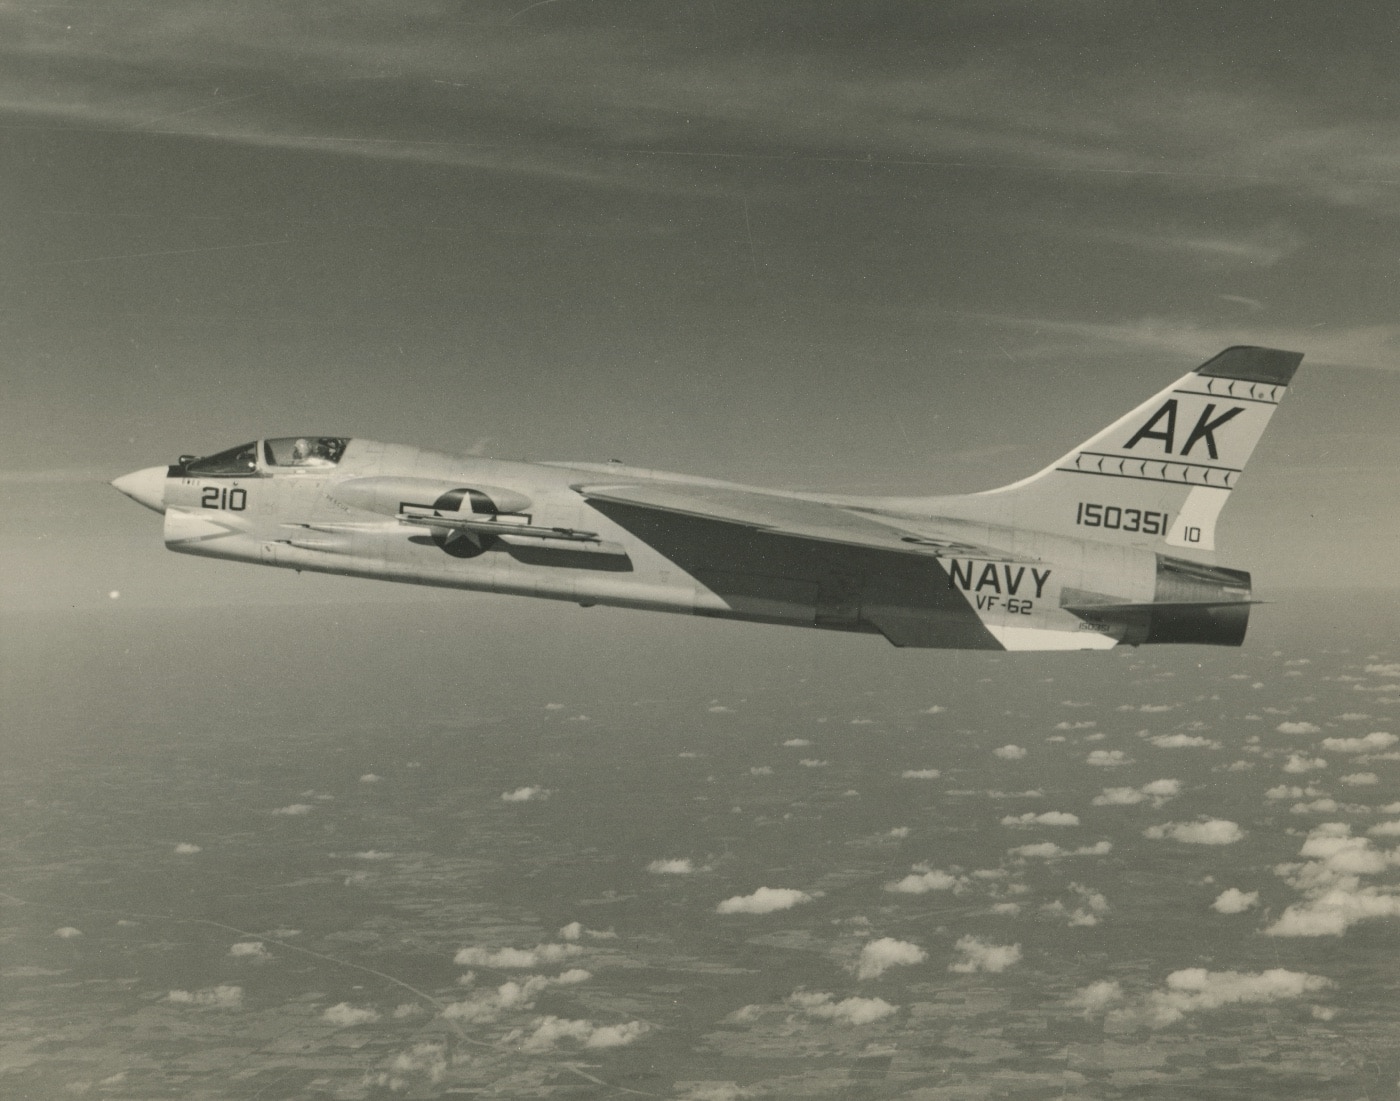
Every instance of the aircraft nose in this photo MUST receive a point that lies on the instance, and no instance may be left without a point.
(146, 487)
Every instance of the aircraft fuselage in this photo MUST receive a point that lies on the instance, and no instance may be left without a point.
(371, 515)
(1083, 555)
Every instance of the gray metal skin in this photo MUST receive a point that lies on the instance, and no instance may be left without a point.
(926, 572)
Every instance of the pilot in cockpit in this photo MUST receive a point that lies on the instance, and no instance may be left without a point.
(307, 453)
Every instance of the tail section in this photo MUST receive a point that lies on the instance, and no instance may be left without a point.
(1163, 472)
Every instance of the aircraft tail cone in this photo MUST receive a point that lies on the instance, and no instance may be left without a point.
(145, 487)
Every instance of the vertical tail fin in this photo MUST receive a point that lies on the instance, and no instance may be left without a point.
(1164, 471)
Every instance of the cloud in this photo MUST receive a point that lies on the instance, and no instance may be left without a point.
(1024, 117)
(1297, 763)
(765, 900)
(1045, 849)
(1317, 806)
(1048, 818)
(879, 956)
(1010, 752)
(1119, 797)
(1372, 743)
(979, 955)
(487, 1006)
(370, 778)
(224, 996)
(1048, 850)
(1158, 792)
(1235, 901)
(184, 848)
(1298, 728)
(1196, 990)
(920, 774)
(1092, 905)
(547, 1033)
(1184, 741)
(797, 742)
(1286, 791)
(295, 810)
(1332, 843)
(1087, 724)
(680, 866)
(1096, 997)
(937, 710)
(250, 949)
(1390, 670)
(1332, 914)
(426, 1060)
(1360, 779)
(924, 879)
(1209, 831)
(1385, 829)
(524, 795)
(1107, 758)
(761, 770)
(1330, 881)
(1374, 346)
(811, 762)
(510, 958)
(899, 832)
(849, 1011)
(345, 1015)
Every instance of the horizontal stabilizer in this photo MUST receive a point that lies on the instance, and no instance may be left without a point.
(1205, 623)
(1108, 610)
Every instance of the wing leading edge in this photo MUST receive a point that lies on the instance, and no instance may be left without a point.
(773, 514)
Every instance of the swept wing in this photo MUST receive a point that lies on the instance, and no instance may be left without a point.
(772, 514)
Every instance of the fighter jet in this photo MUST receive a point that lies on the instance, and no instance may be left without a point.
(1090, 553)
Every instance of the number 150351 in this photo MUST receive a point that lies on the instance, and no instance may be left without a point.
(1115, 518)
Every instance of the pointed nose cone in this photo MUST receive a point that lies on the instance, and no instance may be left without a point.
(146, 487)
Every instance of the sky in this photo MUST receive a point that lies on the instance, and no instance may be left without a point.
(893, 248)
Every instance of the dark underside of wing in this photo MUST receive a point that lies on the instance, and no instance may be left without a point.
(779, 559)
(774, 514)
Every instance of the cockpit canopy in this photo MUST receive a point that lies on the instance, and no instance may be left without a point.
(304, 450)
(294, 452)
(242, 459)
